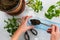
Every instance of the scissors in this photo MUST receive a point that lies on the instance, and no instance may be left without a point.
(26, 35)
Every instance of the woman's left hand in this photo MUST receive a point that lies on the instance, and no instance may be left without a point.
(23, 27)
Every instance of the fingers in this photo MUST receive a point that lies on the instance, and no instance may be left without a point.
(57, 29)
(30, 27)
(49, 30)
(53, 29)
(26, 18)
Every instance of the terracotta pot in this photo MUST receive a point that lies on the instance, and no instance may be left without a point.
(18, 9)
(22, 8)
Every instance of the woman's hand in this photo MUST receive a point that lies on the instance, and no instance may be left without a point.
(23, 27)
(55, 34)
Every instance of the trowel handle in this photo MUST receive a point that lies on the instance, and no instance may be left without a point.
(46, 24)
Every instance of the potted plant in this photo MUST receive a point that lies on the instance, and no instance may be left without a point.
(12, 7)
(18, 6)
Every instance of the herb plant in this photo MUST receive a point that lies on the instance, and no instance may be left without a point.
(53, 11)
(36, 5)
(11, 26)
(58, 3)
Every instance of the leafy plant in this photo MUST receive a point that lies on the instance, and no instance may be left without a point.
(58, 3)
(36, 5)
(53, 11)
(12, 25)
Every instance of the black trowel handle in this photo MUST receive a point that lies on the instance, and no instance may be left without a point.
(46, 24)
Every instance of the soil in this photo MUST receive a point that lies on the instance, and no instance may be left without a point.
(8, 4)
(35, 22)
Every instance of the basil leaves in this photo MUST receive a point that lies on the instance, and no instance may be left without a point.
(11, 26)
(36, 5)
(53, 11)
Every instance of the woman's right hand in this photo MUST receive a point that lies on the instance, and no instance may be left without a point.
(55, 33)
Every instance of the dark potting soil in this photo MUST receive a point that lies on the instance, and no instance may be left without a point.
(35, 22)
(8, 4)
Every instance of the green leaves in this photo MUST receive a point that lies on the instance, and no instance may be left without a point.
(53, 11)
(57, 12)
(50, 12)
(36, 5)
(12, 25)
(58, 3)
(51, 8)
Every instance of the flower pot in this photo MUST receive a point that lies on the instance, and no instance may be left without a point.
(18, 9)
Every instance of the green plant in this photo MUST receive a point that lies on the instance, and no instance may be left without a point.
(11, 26)
(53, 11)
(36, 5)
(58, 3)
